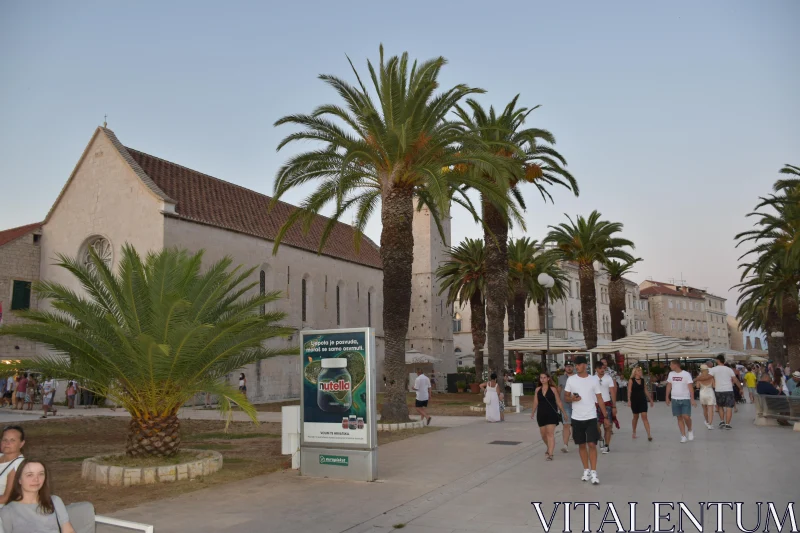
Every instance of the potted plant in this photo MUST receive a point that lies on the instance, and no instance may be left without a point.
(461, 385)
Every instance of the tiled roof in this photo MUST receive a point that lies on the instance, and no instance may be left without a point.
(15, 233)
(207, 200)
(656, 290)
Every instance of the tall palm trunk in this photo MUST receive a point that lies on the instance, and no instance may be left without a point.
(496, 241)
(512, 330)
(588, 305)
(397, 255)
(159, 436)
(520, 299)
(791, 330)
(478, 325)
(775, 350)
(616, 293)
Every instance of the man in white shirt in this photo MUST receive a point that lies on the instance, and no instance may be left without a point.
(608, 408)
(680, 394)
(724, 381)
(423, 387)
(583, 392)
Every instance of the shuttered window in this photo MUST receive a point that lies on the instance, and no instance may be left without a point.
(21, 296)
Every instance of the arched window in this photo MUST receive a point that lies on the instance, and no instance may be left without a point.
(262, 289)
(338, 305)
(304, 299)
(457, 323)
(102, 247)
(369, 308)
(572, 320)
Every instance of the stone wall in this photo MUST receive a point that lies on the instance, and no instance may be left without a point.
(280, 377)
(19, 260)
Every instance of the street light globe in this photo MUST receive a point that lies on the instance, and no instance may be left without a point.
(546, 280)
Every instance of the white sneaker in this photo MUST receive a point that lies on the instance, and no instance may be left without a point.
(604, 449)
(595, 479)
(585, 476)
(691, 435)
(709, 426)
(683, 438)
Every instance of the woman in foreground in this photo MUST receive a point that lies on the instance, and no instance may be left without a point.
(31, 508)
(546, 408)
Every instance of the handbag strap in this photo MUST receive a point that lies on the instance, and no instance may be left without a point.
(547, 400)
(9, 465)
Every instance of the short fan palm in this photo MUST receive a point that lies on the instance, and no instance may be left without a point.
(153, 335)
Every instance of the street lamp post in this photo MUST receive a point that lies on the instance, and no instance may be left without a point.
(546, 281)
(779, 335)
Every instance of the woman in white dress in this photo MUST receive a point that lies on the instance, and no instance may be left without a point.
(705, 382)
(491, 398)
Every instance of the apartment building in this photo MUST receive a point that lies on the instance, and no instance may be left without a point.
(566, 319)
(685, 312)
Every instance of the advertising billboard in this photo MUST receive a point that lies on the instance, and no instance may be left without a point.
(338, 396)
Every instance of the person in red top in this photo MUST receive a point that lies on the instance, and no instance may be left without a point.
(22, 386)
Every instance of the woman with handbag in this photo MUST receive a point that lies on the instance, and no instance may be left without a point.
(547, 408)
(491, 397)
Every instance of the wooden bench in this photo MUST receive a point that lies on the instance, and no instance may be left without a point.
(771, 409)
(83, 519)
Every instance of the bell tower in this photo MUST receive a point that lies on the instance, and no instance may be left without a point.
(430, 327)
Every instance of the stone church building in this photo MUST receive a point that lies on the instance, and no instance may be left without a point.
(117, 194)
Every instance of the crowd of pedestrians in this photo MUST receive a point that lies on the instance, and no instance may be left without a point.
(586, 404)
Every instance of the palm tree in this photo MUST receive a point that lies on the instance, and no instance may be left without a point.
(463, 276)
(383, 155)
(527, 259)
(586, 241)
(616, 292)
(153, 335)
(537, 163)
(769, 283)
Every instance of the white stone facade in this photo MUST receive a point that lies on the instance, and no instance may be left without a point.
(566, 313)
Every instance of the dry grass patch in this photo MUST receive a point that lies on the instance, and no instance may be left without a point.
(248, 451)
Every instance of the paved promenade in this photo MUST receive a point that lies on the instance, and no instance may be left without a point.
(457, 480)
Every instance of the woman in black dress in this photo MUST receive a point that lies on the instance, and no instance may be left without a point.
(639, 399)
(546, 406)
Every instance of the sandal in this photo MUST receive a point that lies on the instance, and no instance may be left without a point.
(649, 439)
(548, 457)
(634, 436)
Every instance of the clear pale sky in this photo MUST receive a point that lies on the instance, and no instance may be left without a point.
(673, 116)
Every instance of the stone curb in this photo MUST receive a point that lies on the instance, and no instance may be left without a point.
(207, 463)
(477, 408)
(414, 424)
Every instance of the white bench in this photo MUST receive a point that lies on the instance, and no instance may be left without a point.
(771, 409)
(83, 519)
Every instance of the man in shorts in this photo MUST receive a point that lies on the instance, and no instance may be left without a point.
(724, 381)
(48, 395)
(569, 370)
(423, 387)
(608, 407)
(22, 386)
(680, 394)
(583, 392)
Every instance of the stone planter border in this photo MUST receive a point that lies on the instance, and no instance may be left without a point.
(477, 408)
(207, 463)
(414, 424)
